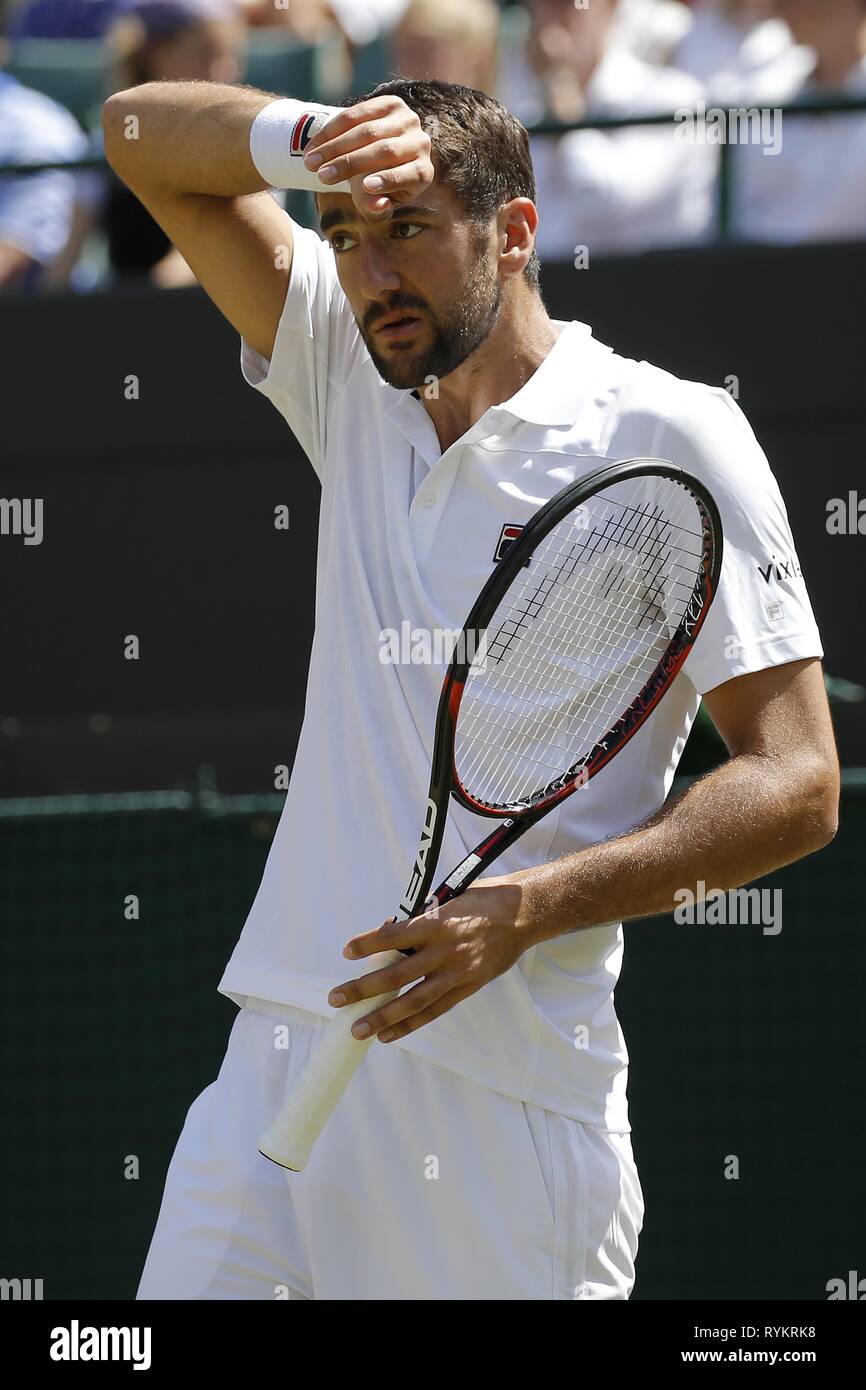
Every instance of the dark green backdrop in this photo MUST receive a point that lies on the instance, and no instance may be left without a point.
(159, 520)
(740, 1043)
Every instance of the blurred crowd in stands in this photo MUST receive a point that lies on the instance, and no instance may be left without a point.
(600, 190)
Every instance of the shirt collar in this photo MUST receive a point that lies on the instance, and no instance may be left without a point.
(555, 392)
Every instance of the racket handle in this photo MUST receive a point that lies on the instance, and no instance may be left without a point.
(289, 1140)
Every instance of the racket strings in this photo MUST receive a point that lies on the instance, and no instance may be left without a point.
(605, 532)
(577, 637)
(600, 679)
(527, 609)
(546, 739)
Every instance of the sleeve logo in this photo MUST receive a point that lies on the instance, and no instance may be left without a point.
(779, 570)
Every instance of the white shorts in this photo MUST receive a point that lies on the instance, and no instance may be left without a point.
(423, 1186)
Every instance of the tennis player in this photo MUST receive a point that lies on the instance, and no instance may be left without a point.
(483, 1150)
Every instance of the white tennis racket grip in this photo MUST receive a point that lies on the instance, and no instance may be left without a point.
(289, 1140)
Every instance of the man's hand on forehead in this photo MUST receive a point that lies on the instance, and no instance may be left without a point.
(379, 139)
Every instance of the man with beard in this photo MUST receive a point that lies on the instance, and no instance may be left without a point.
(487, 1155)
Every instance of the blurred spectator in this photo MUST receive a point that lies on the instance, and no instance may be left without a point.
(308, 20)
(360, 20)
(451, 40)
(651, 29)
(619, 190)
(64, 19)
(36, 211)
(814, 189)
(176, 40)
(365, 20)
(732, 46)
(835, 31)
(165, 40)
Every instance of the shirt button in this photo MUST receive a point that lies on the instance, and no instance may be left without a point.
(429, 499)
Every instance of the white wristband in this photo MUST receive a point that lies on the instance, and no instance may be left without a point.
(280, 134)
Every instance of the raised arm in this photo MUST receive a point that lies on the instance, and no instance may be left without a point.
(184, 150)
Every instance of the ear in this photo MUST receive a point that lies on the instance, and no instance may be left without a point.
(517, 225)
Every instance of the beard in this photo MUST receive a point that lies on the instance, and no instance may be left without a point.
(456, 330)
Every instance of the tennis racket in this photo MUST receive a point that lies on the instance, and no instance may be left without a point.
(578, 633)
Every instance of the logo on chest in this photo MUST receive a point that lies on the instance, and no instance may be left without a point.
(507, 536)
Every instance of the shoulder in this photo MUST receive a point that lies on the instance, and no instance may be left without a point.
(699, 427)
(642, 388)
(648, 388)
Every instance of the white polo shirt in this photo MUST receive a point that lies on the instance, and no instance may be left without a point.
(545, 1032)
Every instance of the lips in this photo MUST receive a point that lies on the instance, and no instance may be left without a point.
(398, 326)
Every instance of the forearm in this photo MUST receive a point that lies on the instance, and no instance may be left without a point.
(750, 816)
(184, 137)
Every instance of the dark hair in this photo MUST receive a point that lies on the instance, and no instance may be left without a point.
(480, 151)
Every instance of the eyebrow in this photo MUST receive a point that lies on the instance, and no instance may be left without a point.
(343, 217)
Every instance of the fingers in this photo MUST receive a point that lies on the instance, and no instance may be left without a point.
(380, 139)
(391, 936)
(398, 162)
(376, 208)
(411, 1011)
(376, 119)
(379, 194)
(347, 117)
(390, 141)
(402, 176)
(391, 977)
(400, 936)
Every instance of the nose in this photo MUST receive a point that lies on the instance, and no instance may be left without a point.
(377, 275)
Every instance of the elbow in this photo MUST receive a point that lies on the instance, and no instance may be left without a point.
(121, 120)
(824, 830)
(821, 803)
(114, 113)
(829, 826)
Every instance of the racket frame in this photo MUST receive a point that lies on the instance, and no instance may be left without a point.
(515, 820)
